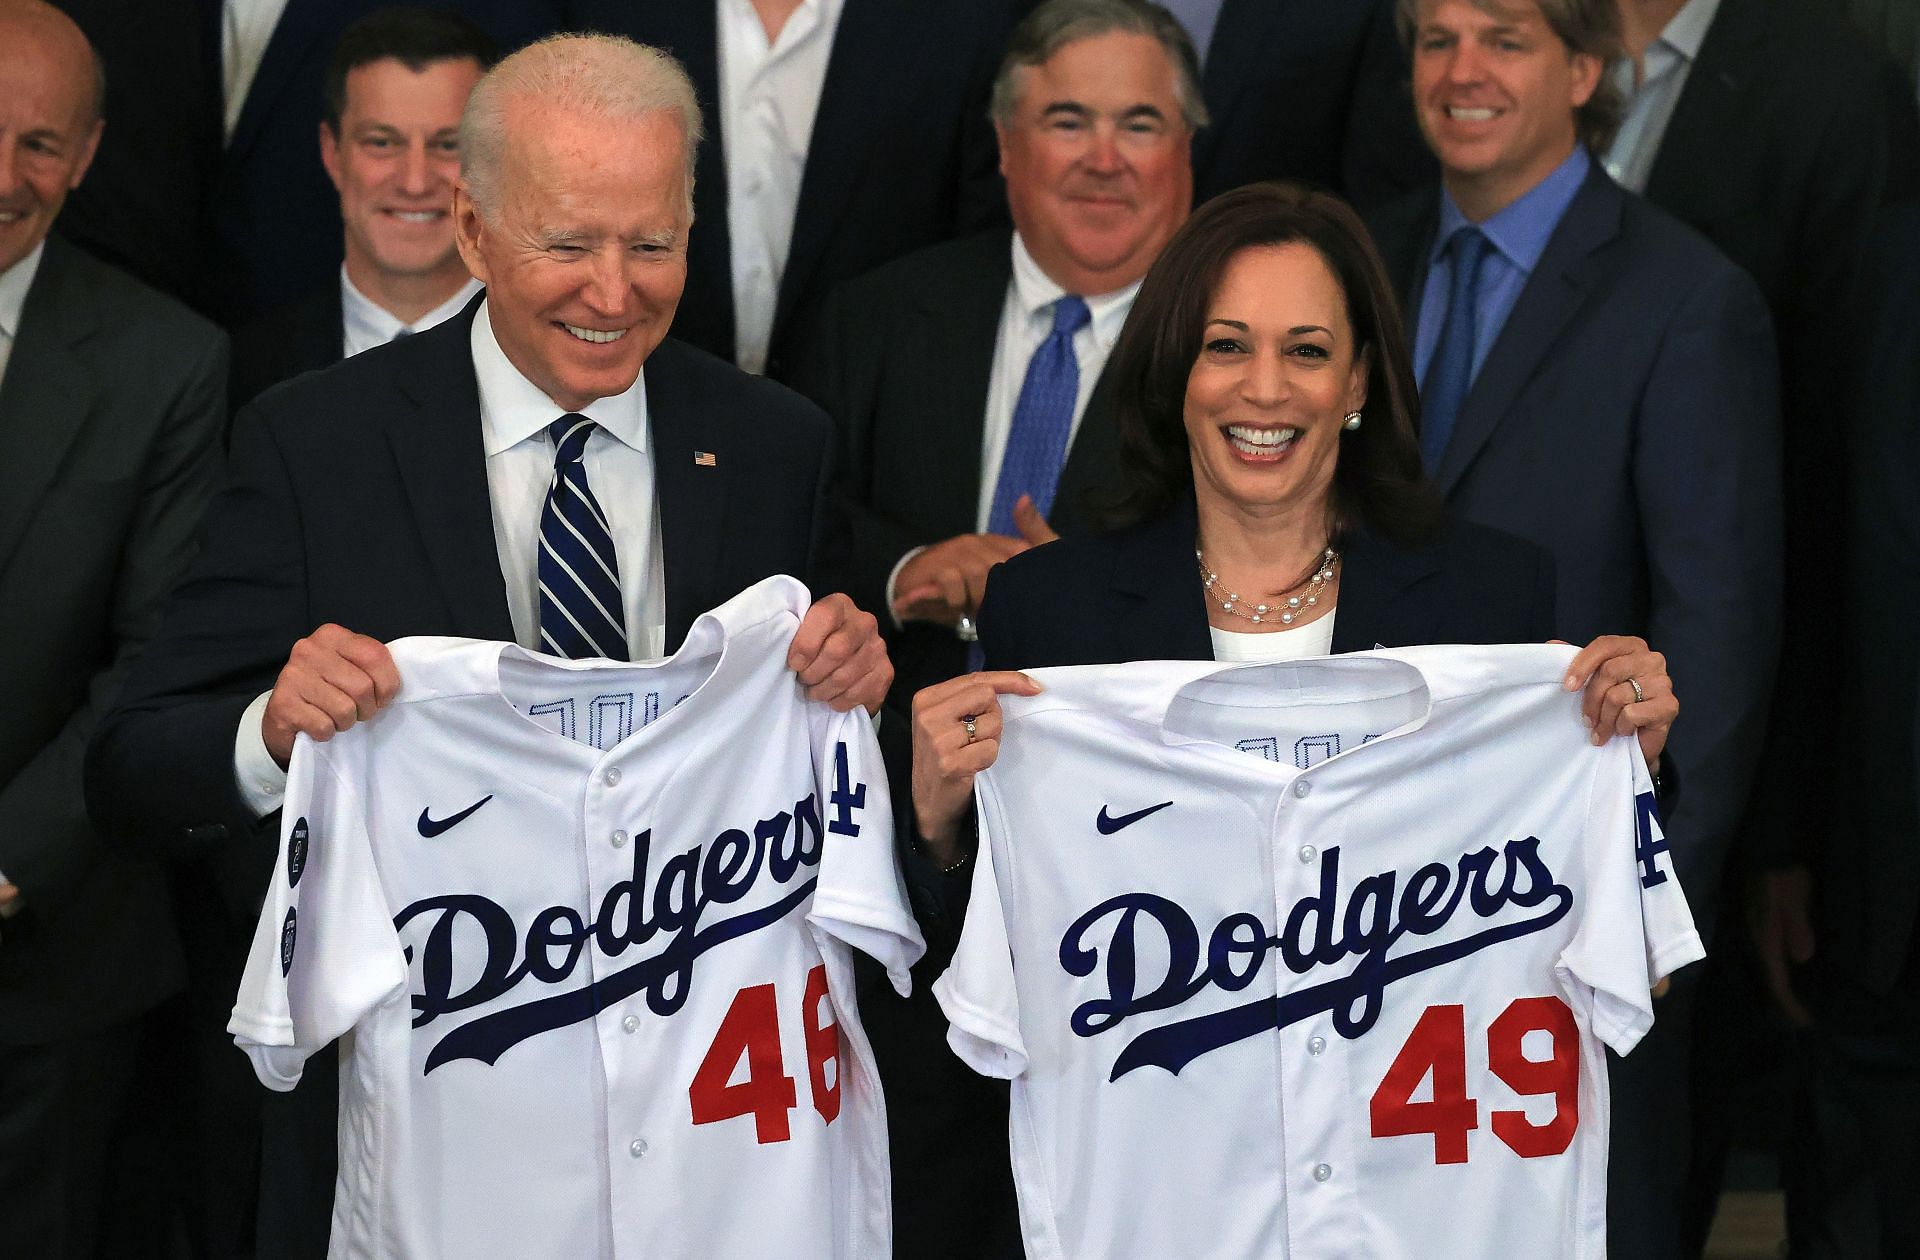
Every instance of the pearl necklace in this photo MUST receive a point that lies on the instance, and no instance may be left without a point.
(1315, 582)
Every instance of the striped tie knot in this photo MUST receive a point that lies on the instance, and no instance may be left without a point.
(581, 610)
(570, 433)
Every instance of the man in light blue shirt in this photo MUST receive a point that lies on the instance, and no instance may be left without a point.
(1598, 379)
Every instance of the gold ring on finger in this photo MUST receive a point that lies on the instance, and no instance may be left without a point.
(1639, 696)
(967, 721)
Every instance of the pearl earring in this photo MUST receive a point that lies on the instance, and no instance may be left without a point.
(1353, 421)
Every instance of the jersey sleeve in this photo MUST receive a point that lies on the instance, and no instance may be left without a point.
(862, 896)
(324, 951)
(977, 991)
(1636, 927)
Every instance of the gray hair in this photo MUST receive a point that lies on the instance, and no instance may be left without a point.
(609, 76)
(1058, 23)
(1584, 26)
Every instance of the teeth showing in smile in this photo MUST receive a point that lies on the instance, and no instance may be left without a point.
(1251, 441)
(417, 216)
(1477, 114)
(10, 216)
(595, 335)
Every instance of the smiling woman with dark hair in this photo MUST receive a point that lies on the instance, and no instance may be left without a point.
(1272, 507)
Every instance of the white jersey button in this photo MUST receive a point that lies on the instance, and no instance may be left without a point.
(1308, 853)
(1301, 788)
(639, 1148)
(632, 1024)
(619, 839)
(612, 777)
(1317, 1045)
(1321, 1172)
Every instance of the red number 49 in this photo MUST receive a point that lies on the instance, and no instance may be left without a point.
(751, 1029)
(1438, 1044)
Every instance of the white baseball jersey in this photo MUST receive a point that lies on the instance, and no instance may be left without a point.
(583, 929)
(1315, 959)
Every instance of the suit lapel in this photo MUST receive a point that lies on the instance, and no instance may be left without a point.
(47, 393)
(292, 35)
(955, 361)
(689, 30)
(1090, 462)
(439, 448)
(1560, 283)
(853, 108)
(692, 495)
(1156, 618)
(1689, 175)
(1372, 577)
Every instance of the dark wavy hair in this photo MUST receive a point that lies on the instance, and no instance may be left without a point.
(1378, 482)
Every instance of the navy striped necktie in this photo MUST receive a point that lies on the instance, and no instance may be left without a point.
(581, 613)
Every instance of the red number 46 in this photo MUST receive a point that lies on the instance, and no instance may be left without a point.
(1438, 1044)
(751, 1029)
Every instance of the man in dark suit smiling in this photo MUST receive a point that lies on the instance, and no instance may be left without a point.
(1597, 379)
(111, 404)
(433, 485)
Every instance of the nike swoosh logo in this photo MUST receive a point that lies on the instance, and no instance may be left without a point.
(431, 827)
(1108, 825)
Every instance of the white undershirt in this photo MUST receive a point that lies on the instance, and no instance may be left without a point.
(246, 28)
(769, 95)
(366, 323)
(514, 414)
(1296, 644)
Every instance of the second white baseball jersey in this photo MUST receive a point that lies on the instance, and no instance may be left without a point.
(1312, 960)
(584, 931)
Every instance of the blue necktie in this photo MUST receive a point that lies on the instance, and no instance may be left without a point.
(1450, 374)
(1042, 420)
(580, 610)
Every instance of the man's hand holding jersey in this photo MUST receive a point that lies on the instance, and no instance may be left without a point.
(334, 677)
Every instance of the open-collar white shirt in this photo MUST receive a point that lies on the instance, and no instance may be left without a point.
(769, 96)
(366, 323)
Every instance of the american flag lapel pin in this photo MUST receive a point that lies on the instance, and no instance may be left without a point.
(705, 459)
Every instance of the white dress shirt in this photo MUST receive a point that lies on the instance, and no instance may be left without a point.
(1668, 61)
(514, 415)
(14, 283)
(246, 28)
(769, 94)
(368, 324)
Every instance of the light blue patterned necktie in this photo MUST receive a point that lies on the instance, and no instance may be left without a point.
(581, 613)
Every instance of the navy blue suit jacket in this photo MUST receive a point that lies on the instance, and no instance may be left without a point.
(1309, 91)
(1627, 419)
(901, 155)
(359, 496)
(1135, 595)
